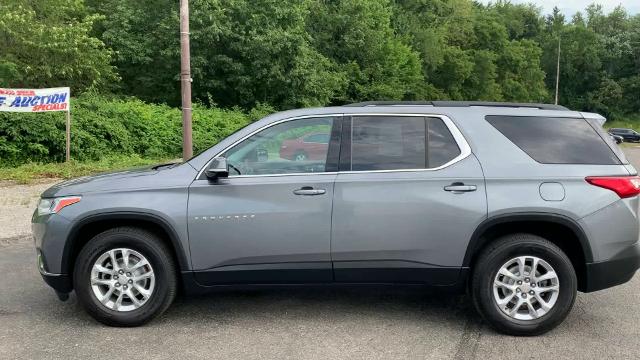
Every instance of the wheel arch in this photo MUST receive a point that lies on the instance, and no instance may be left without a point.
(559, 229)
(85, 229)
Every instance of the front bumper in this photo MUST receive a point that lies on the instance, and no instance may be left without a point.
(61, 283)
(49, 234)
(615, 271)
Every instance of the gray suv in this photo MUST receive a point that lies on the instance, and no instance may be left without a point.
(520, 205)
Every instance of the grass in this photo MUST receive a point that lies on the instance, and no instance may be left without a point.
(31, 172)
(631, 122)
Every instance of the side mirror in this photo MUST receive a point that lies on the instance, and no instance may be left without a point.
(217, 169)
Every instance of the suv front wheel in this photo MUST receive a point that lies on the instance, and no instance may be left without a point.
(125, 277)
(523, 284)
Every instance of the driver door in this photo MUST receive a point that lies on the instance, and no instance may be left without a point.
(270, 220)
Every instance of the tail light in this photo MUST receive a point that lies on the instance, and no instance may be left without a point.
(624, 186)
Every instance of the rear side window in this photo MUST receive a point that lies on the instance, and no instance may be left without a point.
(610, 142)
(554, 140)
(400, 142)
(388, 143)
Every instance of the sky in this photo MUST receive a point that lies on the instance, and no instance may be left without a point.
(570, 7)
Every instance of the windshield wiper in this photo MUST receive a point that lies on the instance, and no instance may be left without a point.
(164, 165)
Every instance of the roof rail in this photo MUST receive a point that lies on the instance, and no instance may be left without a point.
(458, 104)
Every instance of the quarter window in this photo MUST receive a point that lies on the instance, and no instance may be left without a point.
(282, 149)
(442, 146)
(554, 140)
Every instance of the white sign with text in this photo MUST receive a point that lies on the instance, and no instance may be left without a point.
(35, 100)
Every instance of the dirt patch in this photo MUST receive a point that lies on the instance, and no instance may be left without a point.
(17, 203)
(16, 240)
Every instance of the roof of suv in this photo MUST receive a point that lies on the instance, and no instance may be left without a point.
(459, 104)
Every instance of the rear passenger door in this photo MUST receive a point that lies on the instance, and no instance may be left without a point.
(407, 199)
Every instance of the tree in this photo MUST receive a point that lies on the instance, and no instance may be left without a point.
(243, 52)
(48, 43)
(258, 51)
(358, 36)
(295, 53)
(473, 51)
(145, 42)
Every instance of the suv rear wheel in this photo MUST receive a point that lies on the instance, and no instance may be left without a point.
(125, 277)
(523, 284)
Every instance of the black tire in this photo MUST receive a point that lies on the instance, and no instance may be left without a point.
(499, 252)
(149, 246)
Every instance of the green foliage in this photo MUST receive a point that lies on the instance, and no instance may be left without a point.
(283, 54)
(258, 56)
(480, 53)
(107, 127)
(144, 37)
(358, 36)
(244, 52)
(599, 63)
(46, 43)
(32, 171)
(630, 122)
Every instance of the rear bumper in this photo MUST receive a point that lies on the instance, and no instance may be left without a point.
(615, 271)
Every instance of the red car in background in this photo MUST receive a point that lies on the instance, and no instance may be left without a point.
(308, 147)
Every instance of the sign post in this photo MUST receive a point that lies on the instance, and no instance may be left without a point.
(68, 145)
(40, 100)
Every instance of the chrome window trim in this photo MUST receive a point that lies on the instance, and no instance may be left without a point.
(463, 145)
(285, 174)
(465, 149)
(257, 131)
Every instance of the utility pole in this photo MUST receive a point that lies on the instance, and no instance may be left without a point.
(185, 81)
(558, 72)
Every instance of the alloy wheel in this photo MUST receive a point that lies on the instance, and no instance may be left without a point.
(122, 279)
(526, 288)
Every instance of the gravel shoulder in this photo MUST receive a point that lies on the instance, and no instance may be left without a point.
(17, 203)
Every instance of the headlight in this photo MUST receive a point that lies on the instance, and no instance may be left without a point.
(52, 206)
(44, 206)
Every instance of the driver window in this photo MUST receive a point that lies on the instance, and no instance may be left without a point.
(283, 149)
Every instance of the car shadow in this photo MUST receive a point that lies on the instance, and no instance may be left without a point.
(322, 303)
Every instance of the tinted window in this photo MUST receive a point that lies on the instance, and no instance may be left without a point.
(555, 140)
(621, 131)
(400, 142)
(388, 143)
(442, 146)
(610, 141)
(277, 149)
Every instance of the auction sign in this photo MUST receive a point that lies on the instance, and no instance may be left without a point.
(39, 100)
(35, 100)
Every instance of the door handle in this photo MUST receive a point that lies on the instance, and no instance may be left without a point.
(309, 191)
(459, 188)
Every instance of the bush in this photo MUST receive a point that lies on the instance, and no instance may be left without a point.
(30, 172)
(103, 127)
(631, 122)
